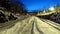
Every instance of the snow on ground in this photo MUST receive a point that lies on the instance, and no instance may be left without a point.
(46, 28)
(31, 25)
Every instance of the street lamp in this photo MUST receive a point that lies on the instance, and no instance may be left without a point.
(51, 9)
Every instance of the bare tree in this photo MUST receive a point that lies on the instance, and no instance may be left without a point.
(15, 7)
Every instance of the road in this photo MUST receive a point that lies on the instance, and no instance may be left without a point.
(33, 25)
(48, 27)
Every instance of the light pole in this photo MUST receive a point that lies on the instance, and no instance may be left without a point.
(51, 8)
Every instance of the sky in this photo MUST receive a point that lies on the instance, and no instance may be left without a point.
(39, 4)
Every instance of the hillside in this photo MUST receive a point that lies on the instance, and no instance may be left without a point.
(53, 16)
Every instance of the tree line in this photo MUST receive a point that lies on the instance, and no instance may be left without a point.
(12, 7)
(15, 7)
